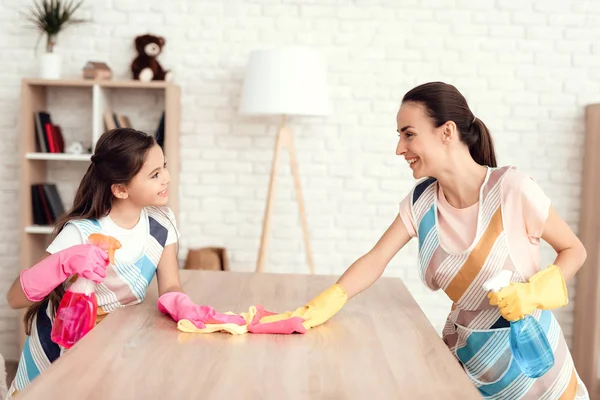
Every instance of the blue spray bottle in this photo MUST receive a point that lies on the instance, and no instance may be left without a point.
(528, 342)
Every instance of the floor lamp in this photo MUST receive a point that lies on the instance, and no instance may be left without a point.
(284, 82)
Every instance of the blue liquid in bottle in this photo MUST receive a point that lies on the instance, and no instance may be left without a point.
(528, 342)
(530, 347)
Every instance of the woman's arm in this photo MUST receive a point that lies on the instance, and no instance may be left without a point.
(358, 277)
(547, 288)
(571, 253)
(167, 271)
(368, 268)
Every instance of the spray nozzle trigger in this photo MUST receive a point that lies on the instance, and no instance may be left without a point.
(498, 281)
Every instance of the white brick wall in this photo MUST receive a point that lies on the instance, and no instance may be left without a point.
(527, 67)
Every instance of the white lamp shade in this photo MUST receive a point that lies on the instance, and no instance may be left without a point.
(290, 81)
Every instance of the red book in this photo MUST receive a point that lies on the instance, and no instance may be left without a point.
(58, 138)
(50, 137)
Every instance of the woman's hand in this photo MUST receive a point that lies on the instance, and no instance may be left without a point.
(545, 290)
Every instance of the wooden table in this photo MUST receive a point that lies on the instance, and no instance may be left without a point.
(379, 346)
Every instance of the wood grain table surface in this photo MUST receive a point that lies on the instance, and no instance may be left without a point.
(379, 346)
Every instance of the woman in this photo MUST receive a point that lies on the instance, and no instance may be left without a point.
(472, 219)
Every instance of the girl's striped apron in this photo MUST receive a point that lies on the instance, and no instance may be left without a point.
(124, 285)
(475, 332)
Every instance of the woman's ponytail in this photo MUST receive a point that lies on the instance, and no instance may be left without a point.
(482, 150)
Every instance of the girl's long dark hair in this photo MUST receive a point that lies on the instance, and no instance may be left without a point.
(119, 155)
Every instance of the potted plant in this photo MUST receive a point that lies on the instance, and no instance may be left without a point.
(49, 18)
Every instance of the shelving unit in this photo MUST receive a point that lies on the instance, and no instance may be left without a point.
(35, 166)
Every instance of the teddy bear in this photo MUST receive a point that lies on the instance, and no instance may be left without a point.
(145, 67)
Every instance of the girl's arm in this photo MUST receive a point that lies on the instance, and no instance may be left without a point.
(67, 238)
(38, 281)
(368, 268)
(167, 271)
(16, 296)
(571, 253)
(175, 302)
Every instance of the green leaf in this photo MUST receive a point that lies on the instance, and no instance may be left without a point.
(53, 16)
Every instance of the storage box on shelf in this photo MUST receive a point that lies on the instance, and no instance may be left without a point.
(36, 165)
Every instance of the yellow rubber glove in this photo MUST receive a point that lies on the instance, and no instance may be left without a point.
(545, 290)
(316, 311)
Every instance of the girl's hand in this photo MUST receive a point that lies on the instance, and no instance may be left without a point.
(86, 260)
(179, 306)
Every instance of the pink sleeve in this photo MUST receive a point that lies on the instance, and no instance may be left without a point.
(407, 216)
(535, 207)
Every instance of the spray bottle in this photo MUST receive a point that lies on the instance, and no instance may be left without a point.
(76, 313)
(528, 342)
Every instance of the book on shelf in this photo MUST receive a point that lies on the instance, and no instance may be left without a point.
(49, 137)
(160, 131)
(46, 204)
(113, 120)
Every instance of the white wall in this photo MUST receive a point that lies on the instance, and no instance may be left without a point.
(527, 68)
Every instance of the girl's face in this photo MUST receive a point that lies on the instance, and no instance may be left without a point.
(150, 186)
(420, 142)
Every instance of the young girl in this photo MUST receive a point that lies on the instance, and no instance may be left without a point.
(472, 219)
(123, 194)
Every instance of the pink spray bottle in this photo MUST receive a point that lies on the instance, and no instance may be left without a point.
(76, 313)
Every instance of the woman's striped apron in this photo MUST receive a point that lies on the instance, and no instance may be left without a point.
(475, 332)
(124, 285)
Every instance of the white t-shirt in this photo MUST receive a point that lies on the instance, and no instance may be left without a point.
(132, 240)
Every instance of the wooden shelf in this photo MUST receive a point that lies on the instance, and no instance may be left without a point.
(58, 82)
(39, 229)
(115, 84)
(58, 157)
(132, 84)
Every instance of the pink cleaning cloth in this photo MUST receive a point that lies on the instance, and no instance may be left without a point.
(284, 326)
(179, 306)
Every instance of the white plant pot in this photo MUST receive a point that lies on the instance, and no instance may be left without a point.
(50, 66)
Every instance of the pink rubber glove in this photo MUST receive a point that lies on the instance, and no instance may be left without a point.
(87, 260)
(179, 306)
(283, 326)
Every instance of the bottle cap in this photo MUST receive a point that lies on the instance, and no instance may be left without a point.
(498, 281)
